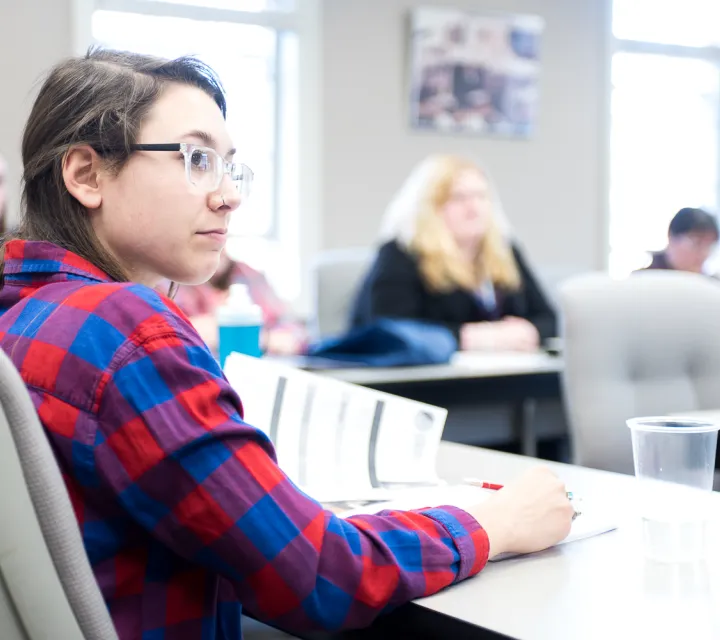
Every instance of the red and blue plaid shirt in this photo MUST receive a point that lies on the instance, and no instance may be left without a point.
(185, 516)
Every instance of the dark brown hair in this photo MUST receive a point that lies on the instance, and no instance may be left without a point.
(690, 220)
(99, 100)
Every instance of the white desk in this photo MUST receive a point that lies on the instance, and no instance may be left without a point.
(463, 365)
(600, 588)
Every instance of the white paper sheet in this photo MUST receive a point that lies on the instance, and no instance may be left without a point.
(335, 439)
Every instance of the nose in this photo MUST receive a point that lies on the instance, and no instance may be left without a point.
(227, 198)
(473, 207)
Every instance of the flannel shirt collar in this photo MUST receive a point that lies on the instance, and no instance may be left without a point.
(46, 261)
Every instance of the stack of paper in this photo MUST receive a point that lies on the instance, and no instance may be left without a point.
(335, 440)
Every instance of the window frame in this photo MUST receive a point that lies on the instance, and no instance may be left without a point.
(280, 20)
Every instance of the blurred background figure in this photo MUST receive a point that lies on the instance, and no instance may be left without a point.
(692, 238)
(447, 258)
(281, 334)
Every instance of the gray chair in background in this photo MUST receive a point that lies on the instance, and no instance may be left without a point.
(647, 345)
(335, 278)
(47, 588)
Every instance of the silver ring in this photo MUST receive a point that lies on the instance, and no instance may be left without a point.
(223, 201)
(576, 511)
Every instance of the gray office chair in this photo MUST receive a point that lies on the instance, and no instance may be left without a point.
(47, 588)
(647, 345)
(336, 276)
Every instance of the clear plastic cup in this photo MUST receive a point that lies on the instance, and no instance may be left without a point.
(675, 465)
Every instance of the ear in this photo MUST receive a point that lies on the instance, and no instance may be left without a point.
(81, 169)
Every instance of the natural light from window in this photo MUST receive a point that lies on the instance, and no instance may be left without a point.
(664, 148)
(238, 5)
(693, 23)
(665, 123)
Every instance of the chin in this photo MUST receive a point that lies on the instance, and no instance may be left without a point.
(201, 272)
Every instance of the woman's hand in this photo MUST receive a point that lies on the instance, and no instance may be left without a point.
(519, 334)
(508, 334)
(530, 514)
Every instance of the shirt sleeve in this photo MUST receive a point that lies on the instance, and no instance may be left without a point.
(396, 290)
(185, 466)
(539, 311)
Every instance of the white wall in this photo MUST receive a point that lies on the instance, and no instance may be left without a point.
(34, 34)
(552, 186)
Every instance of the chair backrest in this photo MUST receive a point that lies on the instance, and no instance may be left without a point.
(647, 345)
(336, 277)
(47, 588)
(552, 276)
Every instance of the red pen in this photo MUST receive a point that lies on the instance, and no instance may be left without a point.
(483, 485)
(496, 487)
(490, 485)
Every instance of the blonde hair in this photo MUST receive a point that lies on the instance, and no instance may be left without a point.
(413, 220)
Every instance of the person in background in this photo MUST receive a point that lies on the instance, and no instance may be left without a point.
(130, 179)
(281, 335)
(446, 258)
(3, 196)
(692, 238)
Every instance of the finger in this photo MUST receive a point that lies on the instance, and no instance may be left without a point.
(542, 468)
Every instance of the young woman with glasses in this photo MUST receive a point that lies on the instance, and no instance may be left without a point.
(130, 178)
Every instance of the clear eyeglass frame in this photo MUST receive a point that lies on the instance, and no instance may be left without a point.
(205, 168)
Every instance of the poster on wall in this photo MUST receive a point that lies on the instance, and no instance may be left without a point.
(474, 72)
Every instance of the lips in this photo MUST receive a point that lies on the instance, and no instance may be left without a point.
(217, 237)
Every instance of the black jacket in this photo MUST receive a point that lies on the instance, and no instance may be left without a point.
(659, 261)
(394, 288)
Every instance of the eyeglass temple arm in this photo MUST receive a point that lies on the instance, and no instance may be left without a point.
(173, 146)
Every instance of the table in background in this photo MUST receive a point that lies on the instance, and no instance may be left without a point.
(472, 381)
(597, 588)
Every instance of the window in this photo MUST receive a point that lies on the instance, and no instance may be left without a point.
(253, 46)
(691, 23)
(239, 5)
(665, 122)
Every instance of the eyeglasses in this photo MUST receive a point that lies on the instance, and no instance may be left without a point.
(205, 167)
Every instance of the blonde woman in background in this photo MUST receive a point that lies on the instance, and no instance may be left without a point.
(447, 258)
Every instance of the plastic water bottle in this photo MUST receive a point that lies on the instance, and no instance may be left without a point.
(240, 322)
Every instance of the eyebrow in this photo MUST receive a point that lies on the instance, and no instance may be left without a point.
(208, 140)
